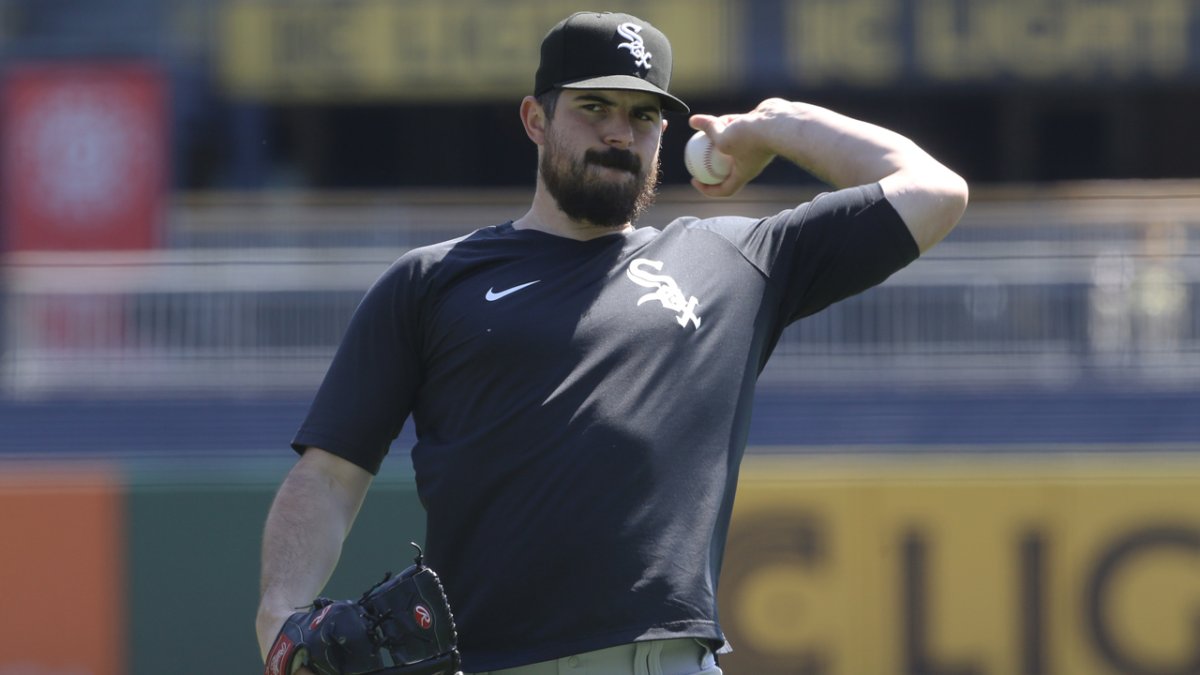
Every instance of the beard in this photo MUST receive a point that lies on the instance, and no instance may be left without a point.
(584, 195)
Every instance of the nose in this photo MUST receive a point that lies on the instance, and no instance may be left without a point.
(619, 133)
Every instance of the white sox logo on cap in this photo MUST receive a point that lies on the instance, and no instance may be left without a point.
(606, 50)
(636, 46)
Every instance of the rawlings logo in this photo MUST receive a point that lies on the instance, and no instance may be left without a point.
(279, 653)
(635, 44)
(423, 616)
(319, 618)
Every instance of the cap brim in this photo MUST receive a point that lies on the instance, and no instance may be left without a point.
(628, 82)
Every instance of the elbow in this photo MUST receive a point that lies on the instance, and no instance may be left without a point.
(930, 200)
(958, 195)
(945, 210)
(961, 193)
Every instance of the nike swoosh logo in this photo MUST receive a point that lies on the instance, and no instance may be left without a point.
(494, 295)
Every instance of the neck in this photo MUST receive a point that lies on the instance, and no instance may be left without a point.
(545, 216)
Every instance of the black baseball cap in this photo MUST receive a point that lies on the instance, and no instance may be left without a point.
(607, 50)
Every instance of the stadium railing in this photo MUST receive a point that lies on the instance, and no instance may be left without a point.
(1048, 285)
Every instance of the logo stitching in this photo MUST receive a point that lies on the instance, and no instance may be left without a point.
(423, 617)
(278, 653)
(666, 290)
(635, 44)
(319, 618)
(493, 295)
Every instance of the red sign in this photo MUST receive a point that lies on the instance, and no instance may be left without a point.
(83, 156)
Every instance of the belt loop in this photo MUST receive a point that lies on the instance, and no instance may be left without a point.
(654, 657)
(641, 658)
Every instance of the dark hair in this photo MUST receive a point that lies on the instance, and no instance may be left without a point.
(549, 101)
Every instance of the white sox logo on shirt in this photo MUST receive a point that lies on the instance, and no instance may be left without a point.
(666, 290)
(636, 46)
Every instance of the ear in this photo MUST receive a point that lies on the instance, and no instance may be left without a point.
(534, 119)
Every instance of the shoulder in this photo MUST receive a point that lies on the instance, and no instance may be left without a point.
(845, 203)
(426, 259)
(720, 225)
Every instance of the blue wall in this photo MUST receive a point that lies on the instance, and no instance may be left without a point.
(1092, 416)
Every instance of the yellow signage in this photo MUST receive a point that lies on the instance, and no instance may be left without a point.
(870, 42)
(988, 566)
(434, 49)
(469, 49)
(1038, 40)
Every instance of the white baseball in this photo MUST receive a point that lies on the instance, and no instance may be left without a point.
(707, 164)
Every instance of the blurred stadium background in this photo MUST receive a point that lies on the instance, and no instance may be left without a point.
(990, 465)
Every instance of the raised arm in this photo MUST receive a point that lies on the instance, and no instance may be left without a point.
(843, 152)
(302, 541)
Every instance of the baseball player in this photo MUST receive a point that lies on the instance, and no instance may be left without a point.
(580, 387)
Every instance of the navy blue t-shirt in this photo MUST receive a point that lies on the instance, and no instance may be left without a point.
(582, 407)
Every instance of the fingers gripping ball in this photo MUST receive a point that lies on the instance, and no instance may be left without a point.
(707, 164)
(400, 626)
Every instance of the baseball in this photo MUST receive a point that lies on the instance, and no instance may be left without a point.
(709, 165)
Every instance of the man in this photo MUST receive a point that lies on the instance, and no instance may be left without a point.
(581, 388)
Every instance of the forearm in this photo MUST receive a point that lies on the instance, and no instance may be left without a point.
(308, 521)
(842, 152)
(839, 150)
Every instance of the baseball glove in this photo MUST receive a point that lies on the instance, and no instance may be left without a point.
(400, 626)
